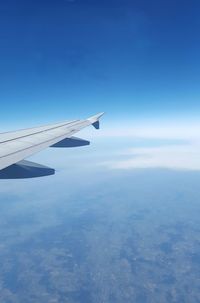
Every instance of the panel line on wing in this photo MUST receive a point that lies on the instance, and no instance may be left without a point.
(40, 132)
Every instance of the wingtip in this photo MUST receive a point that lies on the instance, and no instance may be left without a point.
(101, 114)
(96, 117)
(94, 120)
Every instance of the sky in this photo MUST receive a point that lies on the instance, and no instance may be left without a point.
(136, 60)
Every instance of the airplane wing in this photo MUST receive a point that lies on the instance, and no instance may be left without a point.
(19, 145)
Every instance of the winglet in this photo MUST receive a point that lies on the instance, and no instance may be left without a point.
(94, 120)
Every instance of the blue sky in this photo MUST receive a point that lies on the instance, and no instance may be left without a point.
(133, 59)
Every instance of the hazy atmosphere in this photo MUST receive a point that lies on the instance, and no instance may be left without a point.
(119, 221)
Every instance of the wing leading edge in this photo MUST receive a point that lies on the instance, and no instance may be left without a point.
(19, 145)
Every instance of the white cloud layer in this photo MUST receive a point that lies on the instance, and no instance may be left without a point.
(172, 157)
(185, 156)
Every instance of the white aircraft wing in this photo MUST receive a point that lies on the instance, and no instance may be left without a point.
(19, 145)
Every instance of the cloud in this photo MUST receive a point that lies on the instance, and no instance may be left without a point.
(183, 155)
(172, 157)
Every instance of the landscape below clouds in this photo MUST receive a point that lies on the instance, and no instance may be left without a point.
(97, 232)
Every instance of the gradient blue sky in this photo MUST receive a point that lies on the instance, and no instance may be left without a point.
(69, 58)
